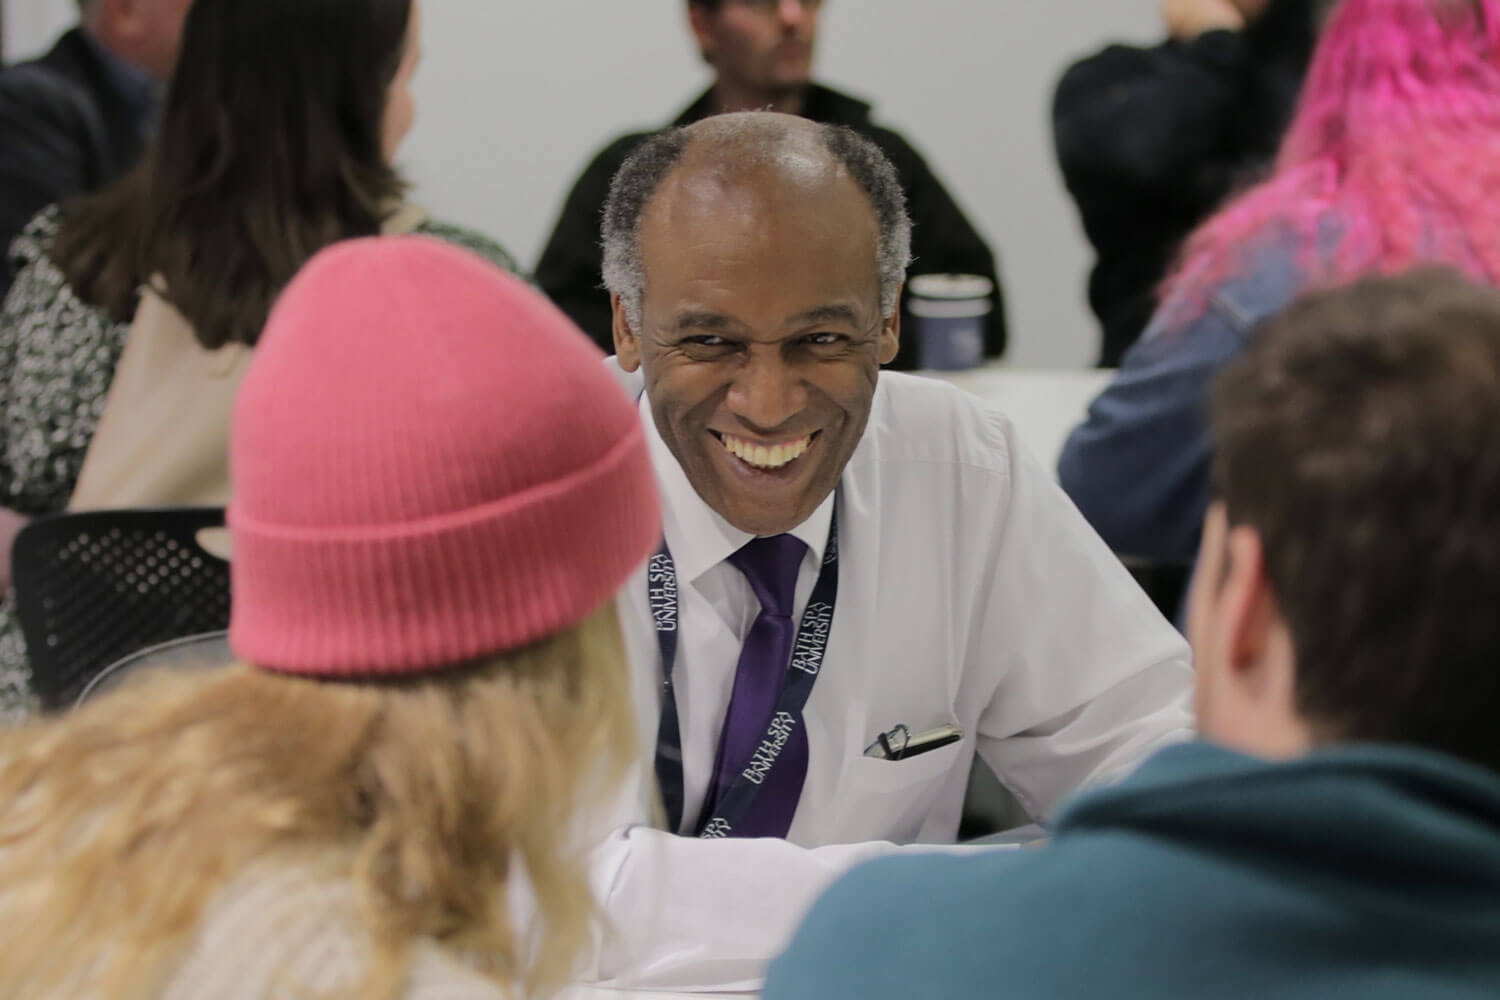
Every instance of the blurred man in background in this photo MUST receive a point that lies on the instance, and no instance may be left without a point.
(76, 118)
(761, 52)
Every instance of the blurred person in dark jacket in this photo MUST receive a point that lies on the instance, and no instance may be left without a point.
(1152, 140)
(76, 118)
(761, 52)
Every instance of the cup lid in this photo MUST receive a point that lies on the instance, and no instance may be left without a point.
(950, 286)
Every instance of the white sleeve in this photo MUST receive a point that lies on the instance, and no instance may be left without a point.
(688, 914)
(1094, 678)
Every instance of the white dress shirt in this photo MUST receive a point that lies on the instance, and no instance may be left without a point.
(970, 592)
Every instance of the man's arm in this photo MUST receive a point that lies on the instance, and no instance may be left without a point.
(44, 155)
(688, 914)
(571, 267)
(1091, 677)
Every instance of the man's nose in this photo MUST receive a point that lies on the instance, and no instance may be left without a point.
(767, 393)
(792, 13)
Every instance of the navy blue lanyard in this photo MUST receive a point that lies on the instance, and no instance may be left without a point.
(802, 672)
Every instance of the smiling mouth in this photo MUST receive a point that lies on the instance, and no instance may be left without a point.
(768, 458)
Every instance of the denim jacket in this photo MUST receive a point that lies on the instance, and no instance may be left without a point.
(1138, 466)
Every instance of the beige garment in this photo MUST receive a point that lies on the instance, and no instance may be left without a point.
(284, 932)
(163, 438)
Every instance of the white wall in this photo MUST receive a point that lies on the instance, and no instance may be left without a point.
(514, 96)
(31, 24)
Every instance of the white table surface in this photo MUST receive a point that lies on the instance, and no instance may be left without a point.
(1044, 405)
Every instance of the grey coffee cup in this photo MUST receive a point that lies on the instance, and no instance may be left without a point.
(950, 312)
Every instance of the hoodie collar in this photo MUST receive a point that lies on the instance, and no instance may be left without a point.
(822, 104)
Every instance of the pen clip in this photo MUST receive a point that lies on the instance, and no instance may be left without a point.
(900, 744)
(890, 745)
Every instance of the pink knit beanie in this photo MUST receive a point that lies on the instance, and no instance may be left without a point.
(429, 464)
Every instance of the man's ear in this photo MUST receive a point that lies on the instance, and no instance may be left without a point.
(1249, 605)
(890, 333)
(700, 19)
(627, 344)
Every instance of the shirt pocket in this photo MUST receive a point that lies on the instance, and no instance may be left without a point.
(891, 799)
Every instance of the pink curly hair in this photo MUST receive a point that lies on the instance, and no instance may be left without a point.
(1393, 155)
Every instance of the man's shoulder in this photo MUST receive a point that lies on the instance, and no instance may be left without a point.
(52, 81)
(35, 86)
(918, 419)
(838, 108)
(612, 155)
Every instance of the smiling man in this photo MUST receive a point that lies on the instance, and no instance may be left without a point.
(764, 266)
(865, 581)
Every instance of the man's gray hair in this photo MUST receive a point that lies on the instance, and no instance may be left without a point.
(772, 141)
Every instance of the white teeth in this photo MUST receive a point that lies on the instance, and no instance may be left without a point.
(763, 456)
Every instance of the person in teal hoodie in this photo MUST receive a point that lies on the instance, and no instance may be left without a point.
(1336, 833)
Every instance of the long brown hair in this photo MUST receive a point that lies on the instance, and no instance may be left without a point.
(119, 823)
(268, 149)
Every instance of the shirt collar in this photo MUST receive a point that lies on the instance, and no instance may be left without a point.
(135, 87)
(821, 104)
(697, 536)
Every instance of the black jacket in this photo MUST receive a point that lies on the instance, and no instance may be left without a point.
(943, 241)
(64, 130)
(1151, 141)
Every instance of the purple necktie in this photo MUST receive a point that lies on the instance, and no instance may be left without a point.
(770, 565)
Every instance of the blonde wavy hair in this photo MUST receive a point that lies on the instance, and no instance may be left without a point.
(120, 822)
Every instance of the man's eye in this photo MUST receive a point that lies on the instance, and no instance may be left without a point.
(826, 339)
(705, 340)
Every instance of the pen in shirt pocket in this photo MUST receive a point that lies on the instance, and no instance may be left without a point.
(898, 743)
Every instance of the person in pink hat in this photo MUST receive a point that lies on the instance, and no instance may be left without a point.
(438, 490)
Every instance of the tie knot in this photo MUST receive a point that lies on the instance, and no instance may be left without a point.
(770, 564)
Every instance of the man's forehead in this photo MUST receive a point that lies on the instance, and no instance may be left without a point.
(794, 158)
(713, 245)
(710, 196)
(753, 136)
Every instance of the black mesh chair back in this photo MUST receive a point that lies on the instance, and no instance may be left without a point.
(96, 586)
